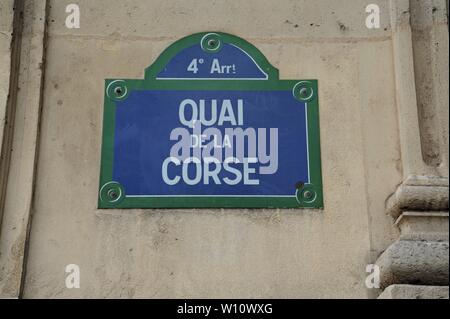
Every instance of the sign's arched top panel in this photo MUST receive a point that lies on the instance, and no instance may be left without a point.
(211, 125)
(211, 56)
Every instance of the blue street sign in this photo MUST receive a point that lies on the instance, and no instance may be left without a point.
(211, 126)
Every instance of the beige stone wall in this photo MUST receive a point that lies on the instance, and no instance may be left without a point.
(211, 253)
(6, 30)
(6, 22)
(20, 150)
(6, 27)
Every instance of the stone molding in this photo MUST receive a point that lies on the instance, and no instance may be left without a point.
(415, 262)
(16, 221)
(419, 193)
(415, 292)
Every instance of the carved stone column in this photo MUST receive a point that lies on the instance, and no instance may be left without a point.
(20, 140)
(416, 265)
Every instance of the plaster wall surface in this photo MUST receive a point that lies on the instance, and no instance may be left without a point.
(6, 27)
(216, 253)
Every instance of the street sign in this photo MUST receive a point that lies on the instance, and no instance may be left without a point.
(211, 125)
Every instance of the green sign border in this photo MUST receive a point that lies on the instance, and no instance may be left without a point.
(113, 195)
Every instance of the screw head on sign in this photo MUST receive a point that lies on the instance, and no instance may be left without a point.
(112, 193)
(308, 194)
(211, 43)
(118, 90)
(304, 91)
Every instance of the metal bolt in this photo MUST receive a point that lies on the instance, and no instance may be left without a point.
(308, 194)
(304, 92)
(112, 194)
(212, 43)
(118, 90)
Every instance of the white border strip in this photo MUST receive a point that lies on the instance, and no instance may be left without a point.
(307, 141)
(216, 79)
(237, 196)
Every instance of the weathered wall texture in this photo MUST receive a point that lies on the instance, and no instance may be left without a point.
(420, 204)
(22, 147)
(6, 35)
(213, 253)
(6, 29)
